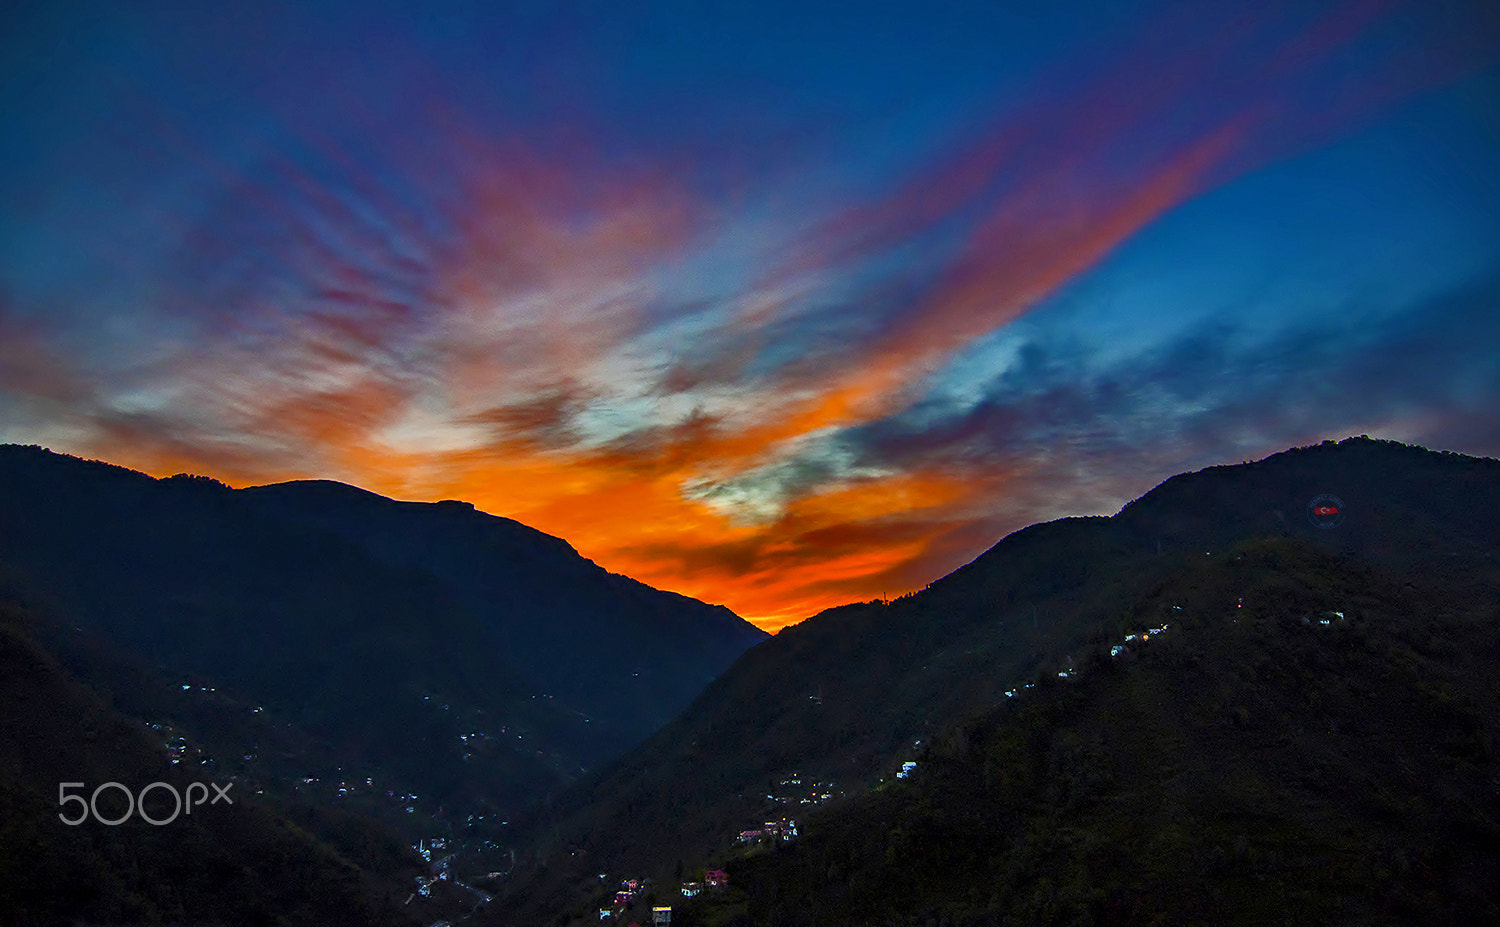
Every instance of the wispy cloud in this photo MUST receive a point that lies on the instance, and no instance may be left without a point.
(695, 389)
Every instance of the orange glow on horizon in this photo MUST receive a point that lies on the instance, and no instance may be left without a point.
(548, 363)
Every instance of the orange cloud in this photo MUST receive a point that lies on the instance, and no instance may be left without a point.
(505, 364)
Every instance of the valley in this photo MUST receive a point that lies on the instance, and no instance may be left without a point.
(1085, 683)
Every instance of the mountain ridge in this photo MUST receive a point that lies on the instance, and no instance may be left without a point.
(244, 859)
(385, 658)
(1311, 737)
(845, 695)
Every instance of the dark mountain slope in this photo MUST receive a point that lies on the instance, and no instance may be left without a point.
(366, 663)
(626, 655)
(844, 696)
(840, 699)
(1251, 765)
(240, 863)
(360, 656)
(1402, 504)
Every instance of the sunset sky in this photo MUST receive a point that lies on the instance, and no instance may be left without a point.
(779, 305)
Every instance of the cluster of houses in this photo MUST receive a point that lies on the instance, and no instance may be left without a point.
(713, 878)
(178, 749)
(661, 916)
(346, 787)
(438, 852)
(817, 792)
(440, 872)
(630, 889)
(1142, 637)
(428, 848)
(784, 830)
(1328, 618)
(1114, 651)
(771, 831)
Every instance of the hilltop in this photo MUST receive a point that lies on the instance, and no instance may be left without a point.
(1311, 739)
(844, 698)
(432, 665)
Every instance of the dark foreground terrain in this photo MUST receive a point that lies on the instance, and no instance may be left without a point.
(1310, 741)
(1204, 709)
(1197, 777)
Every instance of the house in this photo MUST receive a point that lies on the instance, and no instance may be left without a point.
(622, 899)
(691, 889)
(716, 878)
(748, 837)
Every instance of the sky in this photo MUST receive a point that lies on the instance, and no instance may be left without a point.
(779, 305)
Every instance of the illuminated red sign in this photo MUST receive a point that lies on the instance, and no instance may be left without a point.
(1326, 511)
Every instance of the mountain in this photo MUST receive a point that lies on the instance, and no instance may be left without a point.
(309, 642)
(1313, 739)
(627, 656)
(238, 859)
(429, 663)
(845, 697)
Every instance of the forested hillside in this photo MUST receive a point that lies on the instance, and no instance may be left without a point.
(847, 696)
(436, 650)
(238, 859)
(1312, 740)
